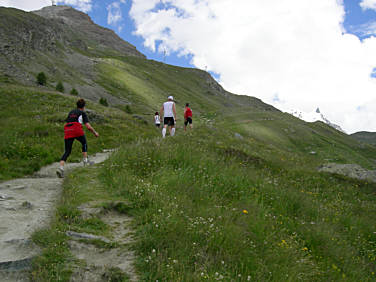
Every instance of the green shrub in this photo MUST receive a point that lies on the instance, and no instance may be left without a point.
(74, 92)
(128, 109)
(41, 78)
(103, 101)
(60, 87)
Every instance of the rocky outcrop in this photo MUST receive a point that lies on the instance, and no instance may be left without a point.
(350, 170)
(85, 30)
(60, 41)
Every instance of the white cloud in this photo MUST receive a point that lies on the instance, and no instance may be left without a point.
(366, 29)
(297, 50)
(368, 4)
(25, 4)
(114, 13)
(32, 5)
(82, 5)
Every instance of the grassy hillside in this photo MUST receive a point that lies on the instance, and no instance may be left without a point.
(209, 206)
(32, 120)
(366, 137)
(146, 85)
(237, 199)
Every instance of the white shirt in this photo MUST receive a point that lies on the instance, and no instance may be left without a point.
(157, 120)
(167, 109)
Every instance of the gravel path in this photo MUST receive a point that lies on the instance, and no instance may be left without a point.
(26, 205)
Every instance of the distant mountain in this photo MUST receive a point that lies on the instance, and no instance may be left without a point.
(366, 137)
(70, 48)
(315, 116)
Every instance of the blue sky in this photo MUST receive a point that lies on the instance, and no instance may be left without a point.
(355, 19)
(308, 53)
(99, 15)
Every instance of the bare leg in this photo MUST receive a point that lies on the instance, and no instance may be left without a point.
(164, 131)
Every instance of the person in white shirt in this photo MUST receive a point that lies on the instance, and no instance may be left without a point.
(168, 111)
(157, 119)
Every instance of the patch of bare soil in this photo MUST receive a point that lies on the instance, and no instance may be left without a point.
(112, 261)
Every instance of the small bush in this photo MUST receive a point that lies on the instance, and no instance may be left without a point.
(41, 78)
(128, 109)
(74, 92)
(103, 101)
(60, 87)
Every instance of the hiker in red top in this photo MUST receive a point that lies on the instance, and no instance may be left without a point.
(187, 117)
(73, 129)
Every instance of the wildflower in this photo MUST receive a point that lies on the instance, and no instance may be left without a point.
(305, 249)
(245, 211)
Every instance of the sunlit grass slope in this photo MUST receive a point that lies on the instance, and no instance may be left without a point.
(146, 85)
(209, 206)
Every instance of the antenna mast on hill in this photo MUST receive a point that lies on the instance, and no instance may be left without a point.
(164, 55)
(53, 2)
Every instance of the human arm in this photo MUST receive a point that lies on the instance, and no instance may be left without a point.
(161, 111)
(90, 128)
(174, 111)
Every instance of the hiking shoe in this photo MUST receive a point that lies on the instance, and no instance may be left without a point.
(60, 172)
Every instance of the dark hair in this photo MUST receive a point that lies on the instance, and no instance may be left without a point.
(187, 105)
(81, 103)
(156, 113)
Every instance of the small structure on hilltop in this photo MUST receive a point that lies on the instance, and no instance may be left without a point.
(53, 2)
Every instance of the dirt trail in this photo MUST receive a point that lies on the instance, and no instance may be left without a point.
(26, 205)
(104, 263)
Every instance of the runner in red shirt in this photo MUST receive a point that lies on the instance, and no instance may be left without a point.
(187, 117)
(73, 129)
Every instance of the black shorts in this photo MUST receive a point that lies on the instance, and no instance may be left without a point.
(169, 121)
(157, 124)
(188, 120)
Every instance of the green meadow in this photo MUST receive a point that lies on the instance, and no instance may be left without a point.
(238, 198)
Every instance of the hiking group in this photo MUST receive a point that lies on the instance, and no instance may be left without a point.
(168, 110)
(73, 128)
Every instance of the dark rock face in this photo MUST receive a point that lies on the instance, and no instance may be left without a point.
(102, 38)
(34, 42)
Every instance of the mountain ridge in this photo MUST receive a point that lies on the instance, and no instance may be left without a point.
(313, 117)
(68, 46)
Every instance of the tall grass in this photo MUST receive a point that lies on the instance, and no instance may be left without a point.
(208, 211)
(32, 134)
